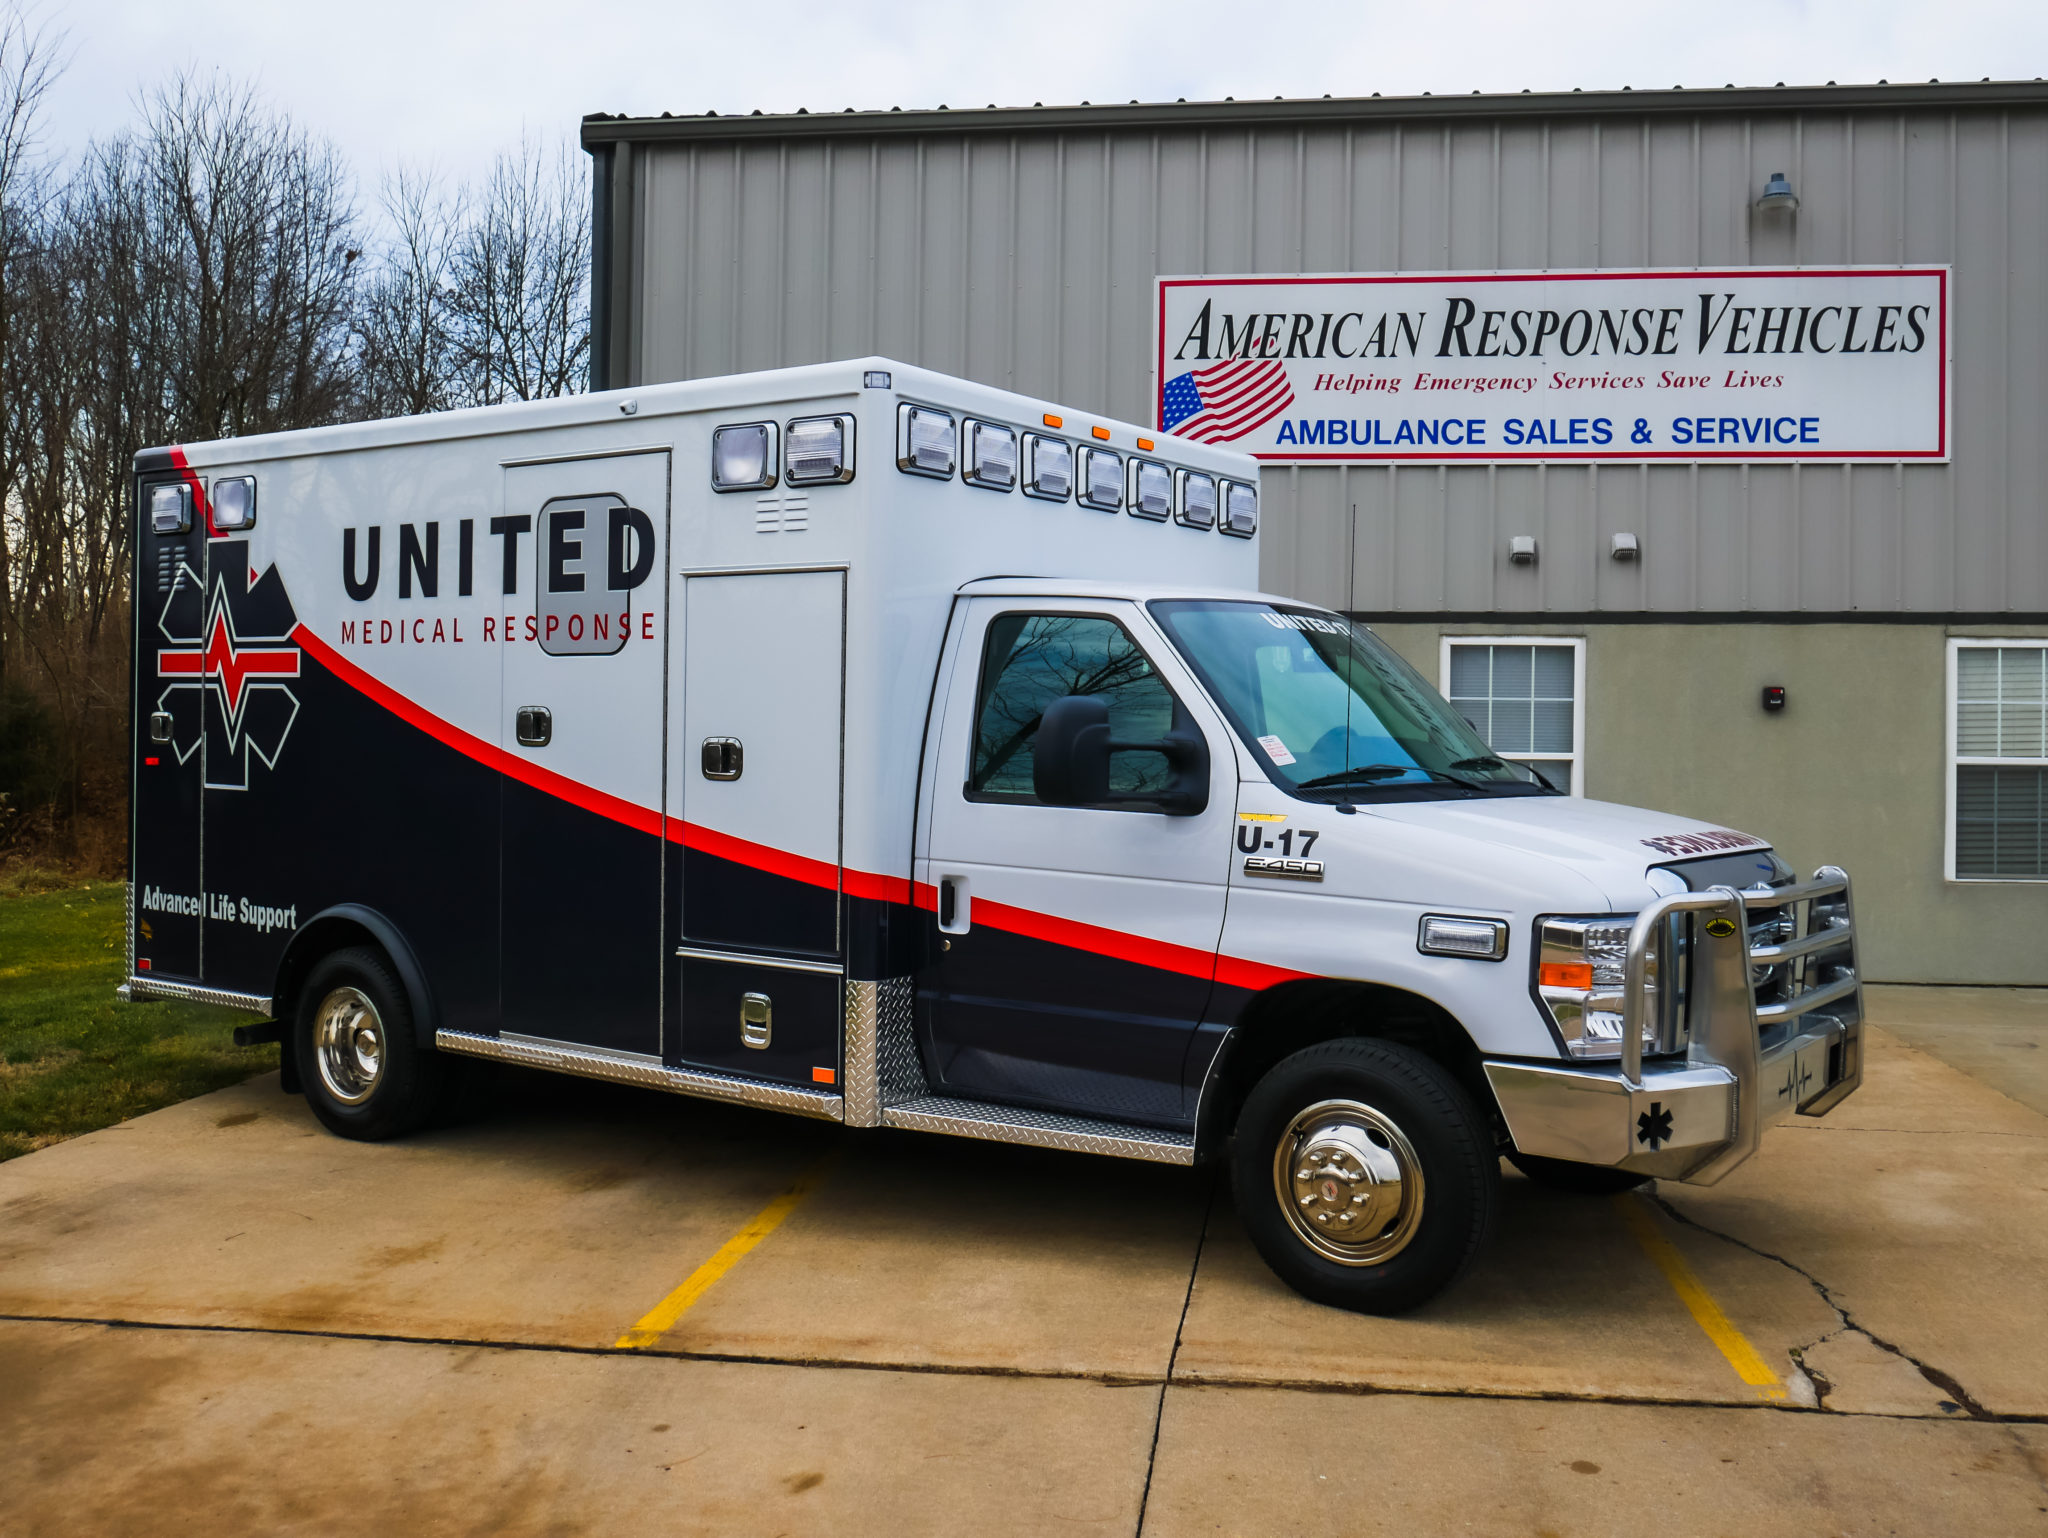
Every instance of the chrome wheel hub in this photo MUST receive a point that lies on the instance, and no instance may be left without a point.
(348, 1045)
(1349, 1182)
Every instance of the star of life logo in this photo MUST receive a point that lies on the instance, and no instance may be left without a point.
(223, 662)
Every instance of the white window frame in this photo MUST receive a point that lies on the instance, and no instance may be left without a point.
(1956, 646)
(1574, 760)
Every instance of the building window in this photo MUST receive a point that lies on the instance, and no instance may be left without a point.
(1526, 696)
(1998, 760)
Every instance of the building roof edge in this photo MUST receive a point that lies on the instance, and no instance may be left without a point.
(601, 128)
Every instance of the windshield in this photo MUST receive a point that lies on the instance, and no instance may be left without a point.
(1332, 711)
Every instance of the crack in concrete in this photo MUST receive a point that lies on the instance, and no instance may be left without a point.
(1944, 1381)
(1031, 1374)
(2035, 1137)
(1187, 1300)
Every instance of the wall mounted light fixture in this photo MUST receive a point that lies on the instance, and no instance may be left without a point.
(1777, 196)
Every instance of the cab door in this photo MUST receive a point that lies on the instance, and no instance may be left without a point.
(1072, 948)
(580, 714)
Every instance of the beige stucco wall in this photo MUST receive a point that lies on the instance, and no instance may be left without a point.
(1850, 773)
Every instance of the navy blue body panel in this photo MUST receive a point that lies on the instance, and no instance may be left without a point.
(1004, 1016)
(580, 915)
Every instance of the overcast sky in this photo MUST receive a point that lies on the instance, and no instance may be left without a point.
(451, 82)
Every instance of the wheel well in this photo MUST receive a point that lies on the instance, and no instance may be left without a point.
(323, 937)
(337, 929)
(1285, 1019)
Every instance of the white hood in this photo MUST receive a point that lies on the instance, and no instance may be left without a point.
(1610, 846)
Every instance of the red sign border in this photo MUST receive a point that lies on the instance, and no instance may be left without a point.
(1605, 274)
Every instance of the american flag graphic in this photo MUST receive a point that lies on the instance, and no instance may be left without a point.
(1225, 400)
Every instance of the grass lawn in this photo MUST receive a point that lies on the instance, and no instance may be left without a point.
(73, 1057)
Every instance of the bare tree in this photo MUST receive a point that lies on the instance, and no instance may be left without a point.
(521, 306)
(29, 66)
(405, 327)
(262, 237)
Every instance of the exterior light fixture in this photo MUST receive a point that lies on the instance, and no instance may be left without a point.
(1522, 550)
(1624, 547)
(1778, 196)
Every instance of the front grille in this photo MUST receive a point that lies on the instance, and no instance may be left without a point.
(1802, 951)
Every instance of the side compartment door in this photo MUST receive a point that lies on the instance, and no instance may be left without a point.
(757, 775)
(1075, 946)
(580, 817)
(169, 747)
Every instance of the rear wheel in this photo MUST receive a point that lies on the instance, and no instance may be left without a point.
(364, 1072)
(1364, 1175)
(1579, 1179)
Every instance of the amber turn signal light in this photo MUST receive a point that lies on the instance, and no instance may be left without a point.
(1565, 974)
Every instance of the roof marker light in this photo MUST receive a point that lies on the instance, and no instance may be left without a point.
(1147, 445)
(1100, 432)
(1052, 421)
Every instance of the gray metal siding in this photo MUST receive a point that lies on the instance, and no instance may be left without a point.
(1026, 259)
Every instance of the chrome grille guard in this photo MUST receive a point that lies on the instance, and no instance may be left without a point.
(1811, 969)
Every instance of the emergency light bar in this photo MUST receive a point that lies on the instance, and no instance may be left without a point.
(170, 509)
(1194, 499)
(1102, 479)
(991, 455)
(234, 502)
(820, 450)
(1048, 467)
(1151, 490)
(924, 442)
(743, 457)
(1240, 510)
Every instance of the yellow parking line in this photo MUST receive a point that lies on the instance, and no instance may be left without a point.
(1720, 1329)
(662, 1318)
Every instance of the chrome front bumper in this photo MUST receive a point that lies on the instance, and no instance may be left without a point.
(1748, 1064)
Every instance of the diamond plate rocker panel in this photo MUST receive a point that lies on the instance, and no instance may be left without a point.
(1041, 1129)
(591, 1063)
(882, 1065)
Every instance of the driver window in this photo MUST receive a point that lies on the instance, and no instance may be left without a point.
(1030, 660)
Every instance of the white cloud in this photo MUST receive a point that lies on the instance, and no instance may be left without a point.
(454, 82)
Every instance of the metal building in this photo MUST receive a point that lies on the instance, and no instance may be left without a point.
(1621, 622)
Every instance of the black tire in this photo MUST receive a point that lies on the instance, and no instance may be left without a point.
(1578, 1179)
(369, 1023)
(1418, 1120)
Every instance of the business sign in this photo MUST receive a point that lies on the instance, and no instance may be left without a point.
(1838, 363)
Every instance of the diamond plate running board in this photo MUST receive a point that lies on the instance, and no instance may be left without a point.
(1041, 1129)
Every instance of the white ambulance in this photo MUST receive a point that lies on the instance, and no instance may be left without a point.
(862, 743)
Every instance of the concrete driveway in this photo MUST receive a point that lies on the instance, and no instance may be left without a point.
(588, 1309)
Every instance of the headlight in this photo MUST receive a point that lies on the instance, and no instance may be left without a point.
(1579, 978)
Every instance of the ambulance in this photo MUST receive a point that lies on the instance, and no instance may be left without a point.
(860, 743)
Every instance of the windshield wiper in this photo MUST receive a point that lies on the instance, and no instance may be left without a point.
(1483, 761)
(1371, 772)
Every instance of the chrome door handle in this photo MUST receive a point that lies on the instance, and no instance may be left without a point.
(722, 758)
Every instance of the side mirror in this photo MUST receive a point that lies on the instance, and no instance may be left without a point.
(1070, 759)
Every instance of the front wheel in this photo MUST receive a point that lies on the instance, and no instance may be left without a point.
(1364, 1175)
(365, 1075)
